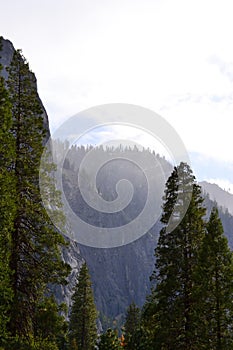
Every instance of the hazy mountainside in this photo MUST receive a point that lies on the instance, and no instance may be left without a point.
(216, 193)
(120, 275)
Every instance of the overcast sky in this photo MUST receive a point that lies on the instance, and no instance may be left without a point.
(174, 57)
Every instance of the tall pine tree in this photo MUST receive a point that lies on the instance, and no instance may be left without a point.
(82, 326)
(171, 306)
(35, 258)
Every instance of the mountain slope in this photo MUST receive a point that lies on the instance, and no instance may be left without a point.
(216, 193)
(120, 275)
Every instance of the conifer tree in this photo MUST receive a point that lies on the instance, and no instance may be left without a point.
(82, 326)
(35, 250)
(170, 308)
(215, 295)
(7, 206)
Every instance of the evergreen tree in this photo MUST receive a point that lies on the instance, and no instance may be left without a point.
(215, 295)
(109, 341)
(7, 206)
(35, 258)
(132, 327)
(171, 307)
(82, 326)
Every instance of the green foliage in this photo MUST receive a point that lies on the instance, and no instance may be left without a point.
(20, 343)
(142, 339)
(82, 326)
(45, 344)
(109, 341)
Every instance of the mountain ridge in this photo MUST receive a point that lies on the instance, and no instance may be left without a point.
(221, 196)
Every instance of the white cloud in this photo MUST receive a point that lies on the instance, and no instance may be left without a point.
(157, 54)
(205, 126)
(226, 68)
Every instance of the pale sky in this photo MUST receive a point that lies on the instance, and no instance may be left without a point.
(174, 57)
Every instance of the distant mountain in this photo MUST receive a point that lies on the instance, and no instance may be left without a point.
(121, 275)
(216, 193)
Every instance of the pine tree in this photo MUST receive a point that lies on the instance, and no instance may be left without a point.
(132, 327)
(7, 206)
(215, 295)
(171, 306)
(109, 341)
(82, 326)
(35, 251)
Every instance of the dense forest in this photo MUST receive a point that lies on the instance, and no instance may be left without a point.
(189, 302)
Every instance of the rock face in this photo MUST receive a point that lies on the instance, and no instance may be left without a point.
(120, 275)
(71, 256)
(7, 51)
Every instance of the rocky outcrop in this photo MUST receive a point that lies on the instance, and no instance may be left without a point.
(71, 256)
(6, 53)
